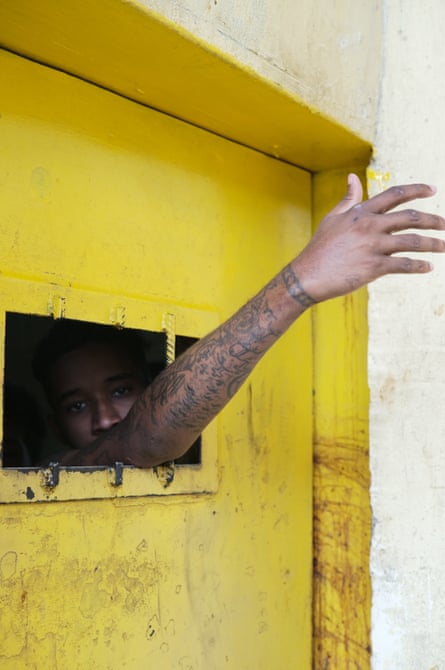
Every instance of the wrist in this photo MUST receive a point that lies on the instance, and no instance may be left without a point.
(295, 287)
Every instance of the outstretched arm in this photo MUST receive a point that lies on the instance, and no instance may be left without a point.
(353, 245)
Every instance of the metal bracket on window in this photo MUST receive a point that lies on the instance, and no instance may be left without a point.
(50, 476)
(118, 472)
(118, 316)
(56, 306)
(165, 473)
(169, 328)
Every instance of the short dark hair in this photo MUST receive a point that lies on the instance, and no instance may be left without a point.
(67, 335)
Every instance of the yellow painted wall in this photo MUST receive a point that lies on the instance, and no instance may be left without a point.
(406, 360)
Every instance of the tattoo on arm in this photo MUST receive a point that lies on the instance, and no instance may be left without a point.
(295, 289)
(186, 396)
(203, 379)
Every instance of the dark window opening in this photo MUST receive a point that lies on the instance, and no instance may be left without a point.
(31, 385)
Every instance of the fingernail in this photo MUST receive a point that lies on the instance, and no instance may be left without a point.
(433, 188)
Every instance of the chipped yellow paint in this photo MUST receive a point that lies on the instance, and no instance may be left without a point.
(342, 516)
(379, 178)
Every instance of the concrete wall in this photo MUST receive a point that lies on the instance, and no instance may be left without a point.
(328, 58)
(406, 369)
(391, 92)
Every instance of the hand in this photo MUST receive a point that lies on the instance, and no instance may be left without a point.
(354, 243)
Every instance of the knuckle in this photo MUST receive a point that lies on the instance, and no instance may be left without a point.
(398, 191)
(411, 266)
(381, 267)
(414, 215)
(414, 241)
(356, 212)
(406, 265)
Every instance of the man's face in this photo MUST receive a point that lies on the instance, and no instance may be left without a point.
(92, 389)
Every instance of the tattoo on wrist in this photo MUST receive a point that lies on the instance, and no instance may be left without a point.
(295, 289)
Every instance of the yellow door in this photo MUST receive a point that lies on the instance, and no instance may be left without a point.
(113, 212)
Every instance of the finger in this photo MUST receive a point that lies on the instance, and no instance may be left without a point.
(397, 195)
(354, 195)
(394, 244)
(402, 265)
(411, 218)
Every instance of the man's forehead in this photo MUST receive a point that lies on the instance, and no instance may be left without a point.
(92, 362)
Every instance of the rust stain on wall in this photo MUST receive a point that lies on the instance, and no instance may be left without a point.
(341, 550)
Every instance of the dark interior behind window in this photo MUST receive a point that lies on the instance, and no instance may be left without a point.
(28, 440)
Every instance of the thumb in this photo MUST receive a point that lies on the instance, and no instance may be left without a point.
(353, 196)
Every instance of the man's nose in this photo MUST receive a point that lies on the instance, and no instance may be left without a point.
(105, 416)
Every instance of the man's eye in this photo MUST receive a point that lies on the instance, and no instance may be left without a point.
(121, 391)
(77, 406)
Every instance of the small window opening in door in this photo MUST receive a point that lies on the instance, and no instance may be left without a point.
(33, 383)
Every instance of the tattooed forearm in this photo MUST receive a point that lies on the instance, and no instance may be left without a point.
(188, 394)
(214, 368)
(295, 289)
